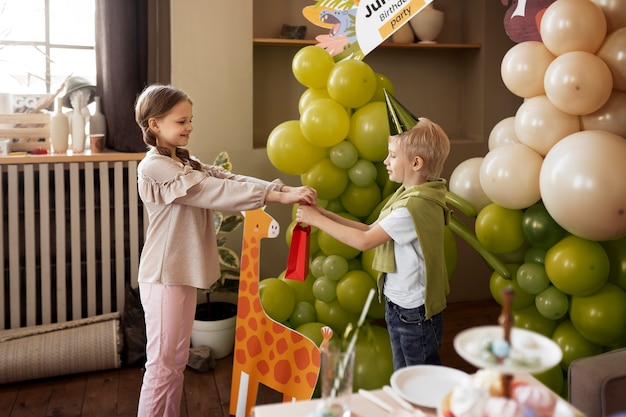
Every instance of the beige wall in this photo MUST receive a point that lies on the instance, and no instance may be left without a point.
(212, 61)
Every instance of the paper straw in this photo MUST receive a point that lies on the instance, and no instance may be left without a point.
(351, 345)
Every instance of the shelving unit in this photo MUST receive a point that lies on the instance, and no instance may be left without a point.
(417, 45)
(454, 82)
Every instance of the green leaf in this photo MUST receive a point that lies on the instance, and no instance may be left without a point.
(223, 160)
(232, 222)
(218, 219)
(228, 257)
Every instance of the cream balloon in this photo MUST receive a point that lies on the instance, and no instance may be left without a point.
(610, 117)
(503, 133)
(578, 82)
(573, 25)
(582, 184)
(523, 68)
(614, 12)
(539, 124)
(465, 182)
(613, 53)
(509, 175)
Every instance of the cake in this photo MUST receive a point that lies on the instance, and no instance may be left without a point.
(486, 396)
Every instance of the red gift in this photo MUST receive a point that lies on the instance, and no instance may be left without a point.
(298, 260)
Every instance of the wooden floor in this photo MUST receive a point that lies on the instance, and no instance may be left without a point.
(115, 392)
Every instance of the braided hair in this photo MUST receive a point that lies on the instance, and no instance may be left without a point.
(155, 101)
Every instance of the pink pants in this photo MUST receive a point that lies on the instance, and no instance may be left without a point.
(169, 312)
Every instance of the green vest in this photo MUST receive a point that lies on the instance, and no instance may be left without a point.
(426, 203)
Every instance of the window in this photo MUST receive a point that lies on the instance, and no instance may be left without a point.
(42, 42)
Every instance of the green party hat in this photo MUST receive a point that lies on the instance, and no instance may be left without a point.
(400, 119)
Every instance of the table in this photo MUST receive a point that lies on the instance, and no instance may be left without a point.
(359, 405)
(362, 407)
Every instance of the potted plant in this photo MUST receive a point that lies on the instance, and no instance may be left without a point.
(216, 314)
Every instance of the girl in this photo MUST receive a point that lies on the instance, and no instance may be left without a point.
(180, 251)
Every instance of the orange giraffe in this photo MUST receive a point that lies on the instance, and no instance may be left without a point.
(266, 351)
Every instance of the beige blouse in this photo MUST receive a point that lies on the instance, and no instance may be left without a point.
(180, 246)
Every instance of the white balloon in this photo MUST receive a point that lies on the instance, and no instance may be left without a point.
(540, 125)
(465, 182)
(509, 175)
(613, 53)
(614, 12)
(503, 133)
(572, 25)
(610, 117)
(523, 68)
(582, 184)
(578, 82)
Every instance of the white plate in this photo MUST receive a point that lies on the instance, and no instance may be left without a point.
(427, 385)
(542, 353)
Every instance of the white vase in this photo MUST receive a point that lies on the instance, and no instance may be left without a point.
(403, 35)
(78, 131)
(97, 121)
(427, 24)
(59, 128)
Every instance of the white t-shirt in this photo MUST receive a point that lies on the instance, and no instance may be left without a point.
(404, 287)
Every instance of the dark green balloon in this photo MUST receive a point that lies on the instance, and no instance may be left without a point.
(539, 228)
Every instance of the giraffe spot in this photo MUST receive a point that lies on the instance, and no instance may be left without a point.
(282, 371)
(254, 252)
(302, 358)
(257, 306)
(269, 338)
(279, 328)
(296, 379)
(263, 367)
(311, 378)
(272, 355)
(245, 261)
(296, 337)
(254, 287)
(243, 307)
(282, 346)
(316, 358)
(240, 333)
(240, 356)
(253, 324)
(264, 321)
(254, 346)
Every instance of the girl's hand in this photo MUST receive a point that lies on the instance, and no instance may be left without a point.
(301, 195)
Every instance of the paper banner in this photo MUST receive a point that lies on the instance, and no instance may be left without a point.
(355, 27)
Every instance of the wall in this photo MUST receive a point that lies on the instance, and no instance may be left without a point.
(212, 61)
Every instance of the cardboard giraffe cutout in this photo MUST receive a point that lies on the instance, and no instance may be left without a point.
(266, 351)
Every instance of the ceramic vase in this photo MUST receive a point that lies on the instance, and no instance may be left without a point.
(427, 24)
(78, 131)
(59, 128)
(403, 35)
(97, 121)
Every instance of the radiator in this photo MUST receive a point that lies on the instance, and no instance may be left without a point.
(71, 239)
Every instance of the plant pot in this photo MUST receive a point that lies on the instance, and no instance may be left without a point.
(218, 332)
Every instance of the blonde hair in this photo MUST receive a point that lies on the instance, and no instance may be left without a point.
(156, 101)
(427, 140)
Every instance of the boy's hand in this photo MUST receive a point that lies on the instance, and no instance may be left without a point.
(307, 214)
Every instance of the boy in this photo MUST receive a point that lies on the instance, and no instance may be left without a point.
(408, 237)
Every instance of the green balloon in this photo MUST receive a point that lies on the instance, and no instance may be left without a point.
(532, 277)
(552, 303)
(539, 228)
(344, 155)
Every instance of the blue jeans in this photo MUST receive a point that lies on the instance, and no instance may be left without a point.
(414, 340)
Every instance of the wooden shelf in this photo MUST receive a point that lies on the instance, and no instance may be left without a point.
(68, 157)
(305, 42)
